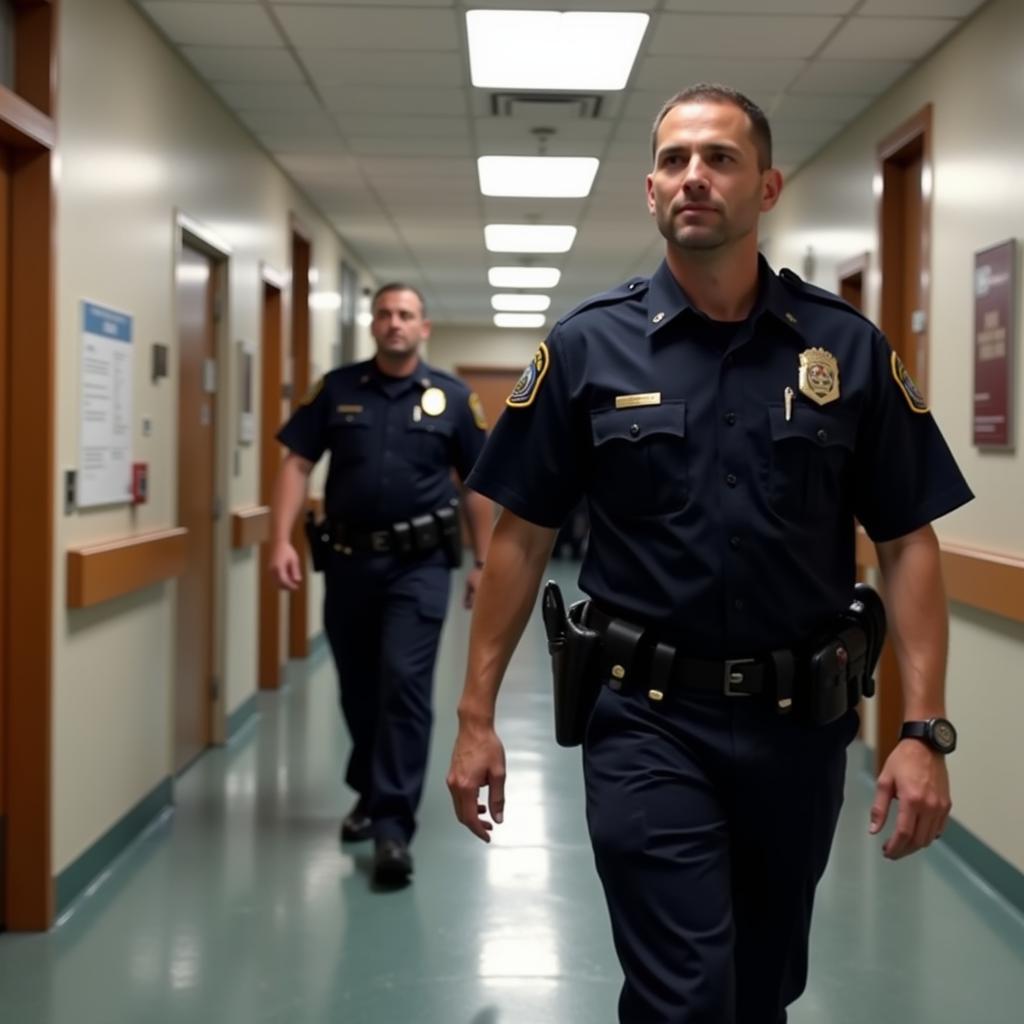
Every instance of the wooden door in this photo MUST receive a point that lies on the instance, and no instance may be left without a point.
(493, 384)
(298, 617)
(271, 654)
(905, 251)
(5, 496)
(196, 293)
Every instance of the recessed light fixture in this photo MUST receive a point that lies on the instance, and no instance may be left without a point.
(523, 277)
(555, 177)
(518, 319)
(512, 303)
(529, 237)
(592, 50)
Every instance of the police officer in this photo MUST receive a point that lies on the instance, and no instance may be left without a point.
(726, 425)
(395, 429)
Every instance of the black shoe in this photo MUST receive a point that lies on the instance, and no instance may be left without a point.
(392, 862)
(356, 827)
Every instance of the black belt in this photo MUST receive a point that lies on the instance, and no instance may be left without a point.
(632, 653)
(399, 538)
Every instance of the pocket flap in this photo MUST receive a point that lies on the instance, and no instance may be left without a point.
(806, 424)
(638, 423)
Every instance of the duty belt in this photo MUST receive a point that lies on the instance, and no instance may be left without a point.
(630, 652)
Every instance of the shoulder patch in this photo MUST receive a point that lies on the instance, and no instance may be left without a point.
(906, 384)
(476, 407)
(312, 393)
(529, 382)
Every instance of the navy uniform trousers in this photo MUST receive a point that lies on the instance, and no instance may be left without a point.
(711, 820)
(383, 616)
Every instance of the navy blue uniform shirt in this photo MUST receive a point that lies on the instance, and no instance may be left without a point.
(392, 446)
(721, 512)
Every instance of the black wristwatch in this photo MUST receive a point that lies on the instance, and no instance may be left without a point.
(938, 733)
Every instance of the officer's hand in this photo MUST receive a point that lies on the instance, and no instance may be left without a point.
(285, 566)
(472, 585)
(917, 777)
(478, 760)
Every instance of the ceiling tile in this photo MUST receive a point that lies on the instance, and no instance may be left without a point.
(765, 6)
(668, 75)
(820, 108)
(268, 96)
(383, 126)
(379, 67)
(411, 145)
(713, 35)
(369, 28)
(243, 64)
(923, 8)
(213, 24)
(888, 38)
(863, 77)
(366, 99)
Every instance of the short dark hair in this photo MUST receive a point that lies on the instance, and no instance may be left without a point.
(759, 127)
(399, 286)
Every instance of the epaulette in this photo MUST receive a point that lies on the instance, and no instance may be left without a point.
(448, 378)
(811, 291)
(628, 289)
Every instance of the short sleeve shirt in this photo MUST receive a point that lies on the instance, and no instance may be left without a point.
(393, 441)
(723, 469)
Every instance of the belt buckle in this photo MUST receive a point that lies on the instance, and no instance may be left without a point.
(731, 679)
(380, 541)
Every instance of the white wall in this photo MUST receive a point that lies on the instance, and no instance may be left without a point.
(140, 137)
(508, 348)
(977, 91)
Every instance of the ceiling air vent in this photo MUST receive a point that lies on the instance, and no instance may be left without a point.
(549, 106)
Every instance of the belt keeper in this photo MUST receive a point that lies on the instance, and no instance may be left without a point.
(620, 641)
(782, 662)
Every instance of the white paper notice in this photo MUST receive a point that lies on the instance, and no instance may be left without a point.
(105, 438)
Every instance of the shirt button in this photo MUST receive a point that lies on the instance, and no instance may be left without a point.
(730, 479)
(822, 436)
(730, 418)
(634, 429)
(734, 542)
(738, 604)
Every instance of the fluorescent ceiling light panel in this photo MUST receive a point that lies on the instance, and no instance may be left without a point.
(523, 277)
(578, 50)
(554, 177)
(529, 237)
(518, 319)
(520, 303)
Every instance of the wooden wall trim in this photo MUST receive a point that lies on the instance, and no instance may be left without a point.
(250, 526)
(100, 572)
(987, 580)
(22, 125)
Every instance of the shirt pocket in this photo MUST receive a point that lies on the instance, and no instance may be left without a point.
(811, 460)
(640, 458)
(350, 434)
(428, 442)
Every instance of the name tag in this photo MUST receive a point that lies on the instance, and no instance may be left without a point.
(350, 408)
(632, 401)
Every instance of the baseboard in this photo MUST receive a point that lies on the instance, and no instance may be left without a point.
(78, 875)
(996, 872)
(3, 872)
(240, 717)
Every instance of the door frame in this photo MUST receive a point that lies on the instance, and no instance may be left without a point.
(910, 139)
(27, 132)
(196, 235)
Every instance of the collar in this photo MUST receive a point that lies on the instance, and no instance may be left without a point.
(666, 299)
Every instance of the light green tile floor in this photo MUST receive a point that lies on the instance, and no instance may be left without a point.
(241, 906)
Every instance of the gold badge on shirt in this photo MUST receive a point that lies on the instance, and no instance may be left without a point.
(433, 402)
(477, 408)
(819, 375)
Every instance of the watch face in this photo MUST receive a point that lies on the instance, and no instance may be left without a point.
(944, 734)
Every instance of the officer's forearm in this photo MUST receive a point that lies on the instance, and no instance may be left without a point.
(289, 495)
(918, 617)
(518, 553)
(479, 517)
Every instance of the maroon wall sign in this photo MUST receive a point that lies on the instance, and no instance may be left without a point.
(994, 330)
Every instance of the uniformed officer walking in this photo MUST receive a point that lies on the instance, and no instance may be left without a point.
(726, 425)
(395, 428)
